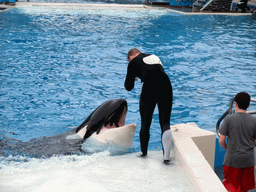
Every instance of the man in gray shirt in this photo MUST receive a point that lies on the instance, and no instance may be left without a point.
(240, 129)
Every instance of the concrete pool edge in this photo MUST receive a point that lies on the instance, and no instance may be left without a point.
(73, 5)
(117, 6)
(195, 148)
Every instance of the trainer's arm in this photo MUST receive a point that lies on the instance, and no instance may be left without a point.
(130, 77)
(222, 141)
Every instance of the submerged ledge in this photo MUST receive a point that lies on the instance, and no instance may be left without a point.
(113, 6)
(210, 13)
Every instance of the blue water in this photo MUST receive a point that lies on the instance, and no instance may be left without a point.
(58, 65)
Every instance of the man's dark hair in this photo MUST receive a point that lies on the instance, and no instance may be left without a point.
(132, 52)
(243, 100)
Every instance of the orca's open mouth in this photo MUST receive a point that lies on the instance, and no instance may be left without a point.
(116, 120)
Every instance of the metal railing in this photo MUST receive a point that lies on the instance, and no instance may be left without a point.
(198, 5)
(230, 111)
(208, 3)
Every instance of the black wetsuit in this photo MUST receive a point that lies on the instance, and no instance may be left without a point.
(157, 89)
(243, 5)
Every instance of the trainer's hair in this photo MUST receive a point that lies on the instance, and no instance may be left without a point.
(132, 52)
(243, 100)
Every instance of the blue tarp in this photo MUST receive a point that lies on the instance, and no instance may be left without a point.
(7, 1)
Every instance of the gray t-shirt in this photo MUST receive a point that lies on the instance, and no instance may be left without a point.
(240, 129)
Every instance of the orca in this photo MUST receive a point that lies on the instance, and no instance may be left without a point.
(105, 124)
(110, 114)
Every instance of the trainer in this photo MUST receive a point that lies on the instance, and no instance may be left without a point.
(157, 89)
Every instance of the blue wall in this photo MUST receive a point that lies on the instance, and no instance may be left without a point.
(219, 154)
(179, 3)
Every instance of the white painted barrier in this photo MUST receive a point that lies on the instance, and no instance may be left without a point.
(195, 148)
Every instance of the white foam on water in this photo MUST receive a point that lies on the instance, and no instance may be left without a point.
(96, 172)
(103, 11)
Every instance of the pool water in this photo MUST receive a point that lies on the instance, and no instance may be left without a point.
(58, 65)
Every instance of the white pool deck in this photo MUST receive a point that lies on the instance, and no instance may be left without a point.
(113, 6)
